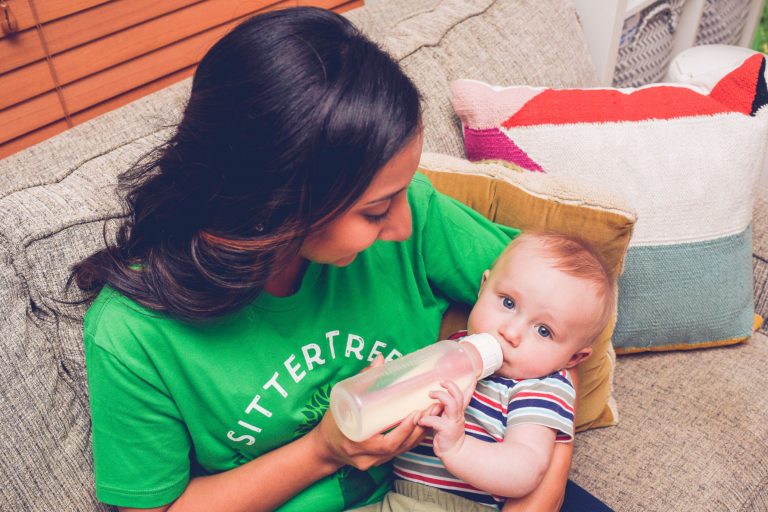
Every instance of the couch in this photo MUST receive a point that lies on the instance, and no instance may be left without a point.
(691, 435)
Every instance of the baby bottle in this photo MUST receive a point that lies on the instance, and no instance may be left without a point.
(375, 400)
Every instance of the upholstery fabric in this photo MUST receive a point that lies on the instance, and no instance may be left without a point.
(437, 42)
(539, 202)
(52, 215)
(688, 161)
(692, 433)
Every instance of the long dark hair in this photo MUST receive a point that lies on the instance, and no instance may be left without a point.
(290, 117)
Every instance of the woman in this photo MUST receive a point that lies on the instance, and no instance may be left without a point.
(277, 244)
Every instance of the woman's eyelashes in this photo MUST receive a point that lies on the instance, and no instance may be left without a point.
(375, 218)
(380, 212)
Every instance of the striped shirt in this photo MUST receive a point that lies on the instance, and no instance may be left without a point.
(497, 404)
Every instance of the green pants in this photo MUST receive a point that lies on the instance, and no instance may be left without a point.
(413, 497)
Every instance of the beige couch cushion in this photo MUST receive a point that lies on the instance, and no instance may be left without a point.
(692, 434)
(534, 42)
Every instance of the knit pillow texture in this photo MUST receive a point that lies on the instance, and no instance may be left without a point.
(530, 201)
(686, 159)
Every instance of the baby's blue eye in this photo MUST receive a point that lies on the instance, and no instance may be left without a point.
(543, 332)
(508, 303)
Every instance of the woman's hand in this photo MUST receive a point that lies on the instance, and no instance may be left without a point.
(337, 449)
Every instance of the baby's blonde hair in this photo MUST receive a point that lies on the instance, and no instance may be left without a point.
(575, 257)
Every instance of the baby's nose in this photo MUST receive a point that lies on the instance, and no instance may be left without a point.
(511, 333)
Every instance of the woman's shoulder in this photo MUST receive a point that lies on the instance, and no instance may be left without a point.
(420, 190)
(422, 197)
(113, 316)
(421, 182)
(110, 305)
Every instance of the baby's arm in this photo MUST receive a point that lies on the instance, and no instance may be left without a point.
(512, 468)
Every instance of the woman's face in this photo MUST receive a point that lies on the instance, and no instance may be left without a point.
(382, 213)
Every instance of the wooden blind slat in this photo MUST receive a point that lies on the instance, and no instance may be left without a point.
(24, 83)
(23, 15)
(139, 92)
(350, 5)
(335, 5)
(106, 19)
(30, 115)
(22, 49)
(147, 37)
(128, 75)
(47, 10)
(48, 131)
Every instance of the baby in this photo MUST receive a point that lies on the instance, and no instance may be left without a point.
(547, 297)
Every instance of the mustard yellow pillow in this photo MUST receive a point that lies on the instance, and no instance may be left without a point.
(542, 202)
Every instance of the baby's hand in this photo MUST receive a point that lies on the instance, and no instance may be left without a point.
(448, 426)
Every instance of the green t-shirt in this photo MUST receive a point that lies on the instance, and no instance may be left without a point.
(170, 401)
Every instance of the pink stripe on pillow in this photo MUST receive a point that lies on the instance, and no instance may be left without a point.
(491, 144)
(484, 107)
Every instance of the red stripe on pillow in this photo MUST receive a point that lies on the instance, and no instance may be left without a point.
(609, 105)
(738, 88)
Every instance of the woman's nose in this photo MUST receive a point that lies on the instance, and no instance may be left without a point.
(399, 224)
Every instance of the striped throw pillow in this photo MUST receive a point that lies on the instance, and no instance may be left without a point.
(687, 160)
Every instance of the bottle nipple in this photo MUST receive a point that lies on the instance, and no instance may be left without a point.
(491, 357)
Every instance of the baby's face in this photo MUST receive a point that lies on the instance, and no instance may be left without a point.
(542, 317)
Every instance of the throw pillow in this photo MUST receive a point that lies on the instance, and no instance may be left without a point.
(686, 159)
(535, 201)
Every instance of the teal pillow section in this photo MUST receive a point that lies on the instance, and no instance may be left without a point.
(674, 298)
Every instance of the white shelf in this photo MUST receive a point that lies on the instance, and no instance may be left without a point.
(603, 21)
(635, 6)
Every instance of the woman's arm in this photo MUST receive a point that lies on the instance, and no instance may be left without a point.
(548, 496)
(270, 480)
(260, 484)
(273, 478)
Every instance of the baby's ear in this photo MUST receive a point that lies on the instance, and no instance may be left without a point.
(579, 357)
(484, 278)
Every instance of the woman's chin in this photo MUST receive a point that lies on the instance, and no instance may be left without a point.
(346, 260)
